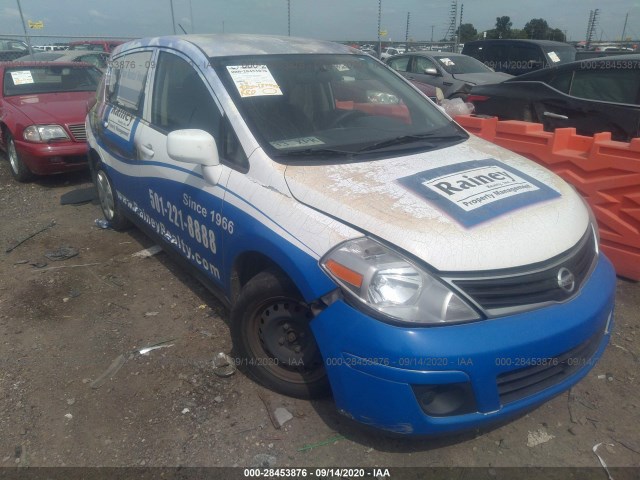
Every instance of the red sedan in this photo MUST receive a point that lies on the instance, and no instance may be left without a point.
(42, 110)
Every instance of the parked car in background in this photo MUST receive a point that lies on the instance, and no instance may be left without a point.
(369, 51)
(42, 112)
(11, 49)
(50, 48)
(434, 93)
(362, 240)
(389, 52)
(100, 45)
(595, 95)
(519, 56)
(453, 73)
(97, 59)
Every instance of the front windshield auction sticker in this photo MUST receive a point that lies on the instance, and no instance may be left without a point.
(253, 80)
(22, 77)
(477, 191)
(554, 56)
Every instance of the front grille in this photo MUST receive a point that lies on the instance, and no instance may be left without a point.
(546, 372)
(540, 284)
(78, 131)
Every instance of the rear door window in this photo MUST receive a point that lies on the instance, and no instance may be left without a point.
(420, 64)
(562, 81)
(127, 79)
(400, 64)
(613, 85)
(496, 56)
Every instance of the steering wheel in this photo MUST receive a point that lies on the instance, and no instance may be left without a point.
(343, 115)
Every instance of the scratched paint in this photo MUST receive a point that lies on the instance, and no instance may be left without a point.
(368, 196)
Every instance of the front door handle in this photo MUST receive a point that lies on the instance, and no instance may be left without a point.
(555, 115)
(147, 150)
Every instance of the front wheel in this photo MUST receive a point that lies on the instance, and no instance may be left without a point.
(271, 333)
(109, 203)
(19, 170)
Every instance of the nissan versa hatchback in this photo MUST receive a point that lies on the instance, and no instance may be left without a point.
(365, 244)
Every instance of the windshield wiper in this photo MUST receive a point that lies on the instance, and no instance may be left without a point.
(405, 139)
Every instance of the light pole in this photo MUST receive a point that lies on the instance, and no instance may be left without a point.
(173, 18)
(459, 29)
(191, 17)
(379, 27)
(406, 35)
(25, 28)
(289, 17)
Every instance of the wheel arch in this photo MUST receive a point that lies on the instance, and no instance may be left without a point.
(310, 284)
(4, 129)
(94, 160)
(249, 264)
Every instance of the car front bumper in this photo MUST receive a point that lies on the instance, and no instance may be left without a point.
(468, 375)
(52, 158)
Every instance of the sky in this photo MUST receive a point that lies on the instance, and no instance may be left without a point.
(323, 19)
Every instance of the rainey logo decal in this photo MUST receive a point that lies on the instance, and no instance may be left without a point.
(119, 122)
(476, 191)
(120, 129)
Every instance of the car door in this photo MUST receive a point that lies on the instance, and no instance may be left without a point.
(596, 100)
(120, 116)
(185, 199)
(417, 72)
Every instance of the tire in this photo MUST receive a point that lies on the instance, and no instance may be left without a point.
(111, 207)
(19, 170)
(273, 340)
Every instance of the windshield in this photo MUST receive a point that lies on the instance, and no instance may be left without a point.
(460, 64)
(50, 79)
(331, 105)
(560, 54)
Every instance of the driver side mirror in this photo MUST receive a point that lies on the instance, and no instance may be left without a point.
(192, 146)
(431, 71)
(198, 147)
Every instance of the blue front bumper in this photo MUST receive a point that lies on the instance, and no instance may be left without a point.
(374, 367)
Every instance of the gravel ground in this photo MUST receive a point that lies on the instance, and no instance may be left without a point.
(64, 323)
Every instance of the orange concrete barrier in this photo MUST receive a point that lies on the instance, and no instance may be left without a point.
(605, 172)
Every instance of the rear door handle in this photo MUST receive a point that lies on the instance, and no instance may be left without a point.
(555, 115)
(147, 150)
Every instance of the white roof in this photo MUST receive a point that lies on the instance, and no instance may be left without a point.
(222, 45)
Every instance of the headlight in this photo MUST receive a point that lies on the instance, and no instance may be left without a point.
(592, 219)
(44, 133)
(392, 285)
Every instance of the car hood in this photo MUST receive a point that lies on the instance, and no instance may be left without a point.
(389, 199)
(481, 78)
(65, 107)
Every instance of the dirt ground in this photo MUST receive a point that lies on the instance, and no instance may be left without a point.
(64, 323)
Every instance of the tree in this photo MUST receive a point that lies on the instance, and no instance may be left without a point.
(467, 32)
(537, 28)
(557, 35)
(503, 27)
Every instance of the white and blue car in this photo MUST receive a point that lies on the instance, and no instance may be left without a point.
(365, 243)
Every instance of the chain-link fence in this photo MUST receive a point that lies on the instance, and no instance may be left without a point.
(14, 47)
(45, 47)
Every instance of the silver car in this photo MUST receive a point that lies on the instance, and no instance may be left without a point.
(454, 73)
